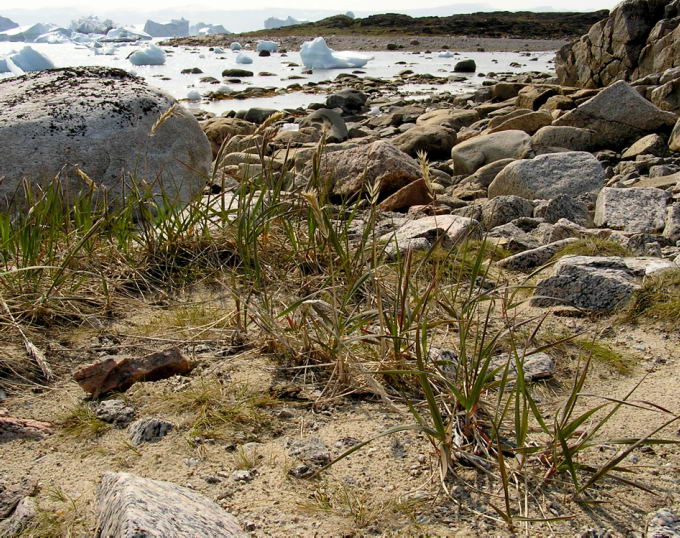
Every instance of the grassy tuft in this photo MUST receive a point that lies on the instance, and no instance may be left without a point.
(81, 422)
(592, 246)
(659, 299)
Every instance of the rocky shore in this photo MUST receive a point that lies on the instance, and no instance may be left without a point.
(535, 203)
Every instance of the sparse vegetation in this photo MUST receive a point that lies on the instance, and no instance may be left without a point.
(82, 422)
(659, 299)
(592, 246)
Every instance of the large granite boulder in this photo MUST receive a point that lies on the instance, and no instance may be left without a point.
(452, 118)
(329, 121)
(353, 170)
(102, 121)
(595, 283)
(550, 175)
(471, 155)
(640, 37)
(130, 506)
(435, 140)
(618, 115)
(639, 210)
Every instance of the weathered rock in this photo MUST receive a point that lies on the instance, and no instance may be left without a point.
(618, 115)
(533, 97)
(449, 117)
(529, 123)
(485, 175)
(329, 120)
(595, 283)
(22, 428)
(12, 494)
(506, 90)
(667, 96)
(311, 451)
(664, 523)
(120, 373)
(435, 140)
(354, 169)
(472, 154)
(148, 430)
(671, 230)
(563, 207)
(129, 506)
(114, 412)
(640, 37)
(534, 367)
(512, 238)
(98, 120)
(350, 101)
(641, 210)
(21, 519)
(535, 257)
(652, 144)
(503, 115)
(237, 73)
(415, 193)
(257, 115)
(422, 233)
(550, 175)
(573, 138)
(220, 129)
(465, 66)
(304, 135)
(504, 209)
(674, 141)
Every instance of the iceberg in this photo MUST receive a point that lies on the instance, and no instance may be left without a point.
(92, 25)
(4, 67)
(125, 34)
(28, 34)
(203, 28)
(235, 46)
(7, 24)
(445, 54)
(193, 95)
(218, 50)
(243, 59)
(27, 60)
(269, 46)
(55, 37)
(174, 28)
(149, 55)
(315, 54)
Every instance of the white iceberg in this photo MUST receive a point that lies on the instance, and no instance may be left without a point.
(86, 39)
(149, 55)
(4, 67)
(55, 37)
(218, 50)
(104, 51)
(193, 95)
(269, 46)
(316, 55)
(243, 59)
(92, 25)
(27, 60)
(445, 54)
(28, 34)
(235, 46)
(126, 34)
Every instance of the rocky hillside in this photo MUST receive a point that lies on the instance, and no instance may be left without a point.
(525, 25)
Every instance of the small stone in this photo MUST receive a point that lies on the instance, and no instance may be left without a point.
(114, 412)
(148, 430)
(311, 450)
(243, 475)
(301, 471)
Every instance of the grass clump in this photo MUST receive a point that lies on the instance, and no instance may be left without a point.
(592, 246)
(82, 422)
(658, 299)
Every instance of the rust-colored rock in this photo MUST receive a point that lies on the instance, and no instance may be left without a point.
(415, 193)
(120, 373)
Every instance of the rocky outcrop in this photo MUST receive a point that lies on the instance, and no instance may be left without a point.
(130, 506)
(640, 37)
(103, 122)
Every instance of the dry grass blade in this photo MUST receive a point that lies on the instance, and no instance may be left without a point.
(165, 116)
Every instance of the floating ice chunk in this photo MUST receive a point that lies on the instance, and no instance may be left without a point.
(149, 55)
(243, 59)
(269, 46)
(104, 51)
(92, 25)
(4, 67)
(55, 37)
(193, 95)
(77, 37)
(218, 50)
(445, 54)
(316, 55)
(27, 60)
(126, 34)
(235, 46)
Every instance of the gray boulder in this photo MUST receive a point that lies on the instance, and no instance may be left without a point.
(548, 176)
(652, 144)
(535, 257)
(618, 115)
(129, 506)
(671, 230)
(667, 96)
(563, 207)
(22, 519)
(98, 120)
(435, 140)
(350, 101)
(595, 283)
(449, 117)
(476, 152)
(504, 209)
(465, 66)
(573, 138)
(330, 120)
(637, 209)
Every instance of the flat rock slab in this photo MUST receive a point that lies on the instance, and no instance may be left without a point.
(535, 257)
(470, 155)
(120, 373)
(636, 209)
(129, 506)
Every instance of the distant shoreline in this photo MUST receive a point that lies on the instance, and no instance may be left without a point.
(377, 43)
